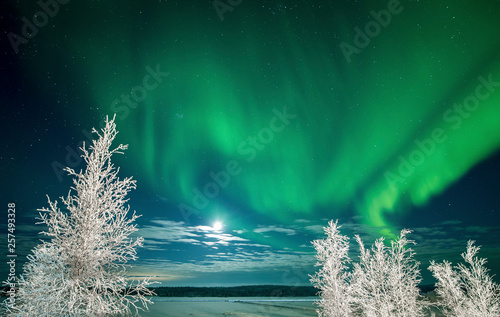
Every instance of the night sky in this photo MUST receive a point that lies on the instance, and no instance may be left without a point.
(250, 124)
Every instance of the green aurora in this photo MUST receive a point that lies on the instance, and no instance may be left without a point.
(353, 126)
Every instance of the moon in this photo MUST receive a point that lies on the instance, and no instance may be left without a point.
(217, 226)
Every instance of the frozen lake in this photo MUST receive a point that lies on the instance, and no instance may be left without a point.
(242, 306)
(246, 307)
(230, 306)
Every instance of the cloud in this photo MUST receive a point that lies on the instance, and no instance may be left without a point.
(252, 245)
(219, 252)
(154, 245)
(286, 231)
(170, 231)
(167, 232)
(315, 229)
(478, 229)
(224, 237)
(432, 231)
(302, 221)
(238, 262)
(450, 222)
(204, 228)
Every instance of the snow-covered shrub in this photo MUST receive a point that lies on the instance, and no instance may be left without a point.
(466, 290)
(385, 281)
(383, 284)
(80, 270)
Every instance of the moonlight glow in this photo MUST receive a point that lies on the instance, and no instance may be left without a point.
(217, 226)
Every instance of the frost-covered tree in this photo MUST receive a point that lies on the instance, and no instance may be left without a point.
(81, 269)
(383, 284)
(332, 279)
(467, 290)
(385, 281)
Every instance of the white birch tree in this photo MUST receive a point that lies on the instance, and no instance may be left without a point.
(81, 269)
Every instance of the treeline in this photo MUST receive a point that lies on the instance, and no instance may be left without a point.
(237, 291)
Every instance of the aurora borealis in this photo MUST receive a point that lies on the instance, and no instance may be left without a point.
(253, 115)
